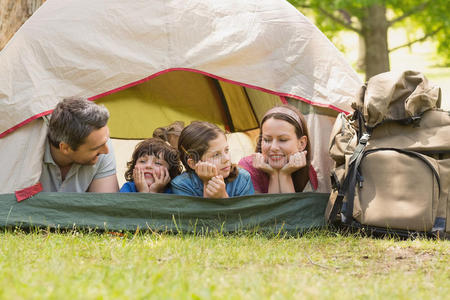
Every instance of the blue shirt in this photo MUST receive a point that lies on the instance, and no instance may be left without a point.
(188, 183)
(130, 187)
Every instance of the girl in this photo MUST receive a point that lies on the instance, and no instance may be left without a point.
(209, 173)
(282, 162)
(153, 164)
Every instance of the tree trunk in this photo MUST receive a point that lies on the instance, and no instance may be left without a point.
(13, 13)
(375, 34)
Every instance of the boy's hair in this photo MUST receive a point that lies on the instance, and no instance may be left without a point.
(155, 147)
(174, 128)
(194, 142)
(73, 119)
(300, 177)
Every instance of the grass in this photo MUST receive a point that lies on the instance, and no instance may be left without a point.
(247, 266)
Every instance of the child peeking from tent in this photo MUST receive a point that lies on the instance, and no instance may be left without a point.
(204, 152)
(153, 164)
(170, 133)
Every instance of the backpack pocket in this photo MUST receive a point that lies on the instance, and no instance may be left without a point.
(399, 190)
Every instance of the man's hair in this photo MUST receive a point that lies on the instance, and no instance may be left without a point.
(73, 119)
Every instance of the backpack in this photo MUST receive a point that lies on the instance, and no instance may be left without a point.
(392, 158)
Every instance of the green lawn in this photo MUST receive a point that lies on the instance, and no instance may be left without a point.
(246, 266)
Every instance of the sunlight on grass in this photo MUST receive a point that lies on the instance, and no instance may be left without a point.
(250, 266)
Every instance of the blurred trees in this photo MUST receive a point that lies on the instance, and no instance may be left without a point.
(371, 19)
(13, 13)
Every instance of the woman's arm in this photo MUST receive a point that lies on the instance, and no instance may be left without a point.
(296, 162)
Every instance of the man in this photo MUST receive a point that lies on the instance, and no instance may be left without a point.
(78, 155)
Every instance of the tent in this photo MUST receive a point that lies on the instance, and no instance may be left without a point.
(154, 62)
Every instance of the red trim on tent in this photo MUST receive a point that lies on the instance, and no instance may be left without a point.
(5, 133)
(93, 98)
(28, 192)
(283, 100)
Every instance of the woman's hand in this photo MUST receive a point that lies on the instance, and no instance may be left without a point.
(139, 180)
(260, 163)
(216, 188)
(161, 177)
(205, 171)
(296, 162)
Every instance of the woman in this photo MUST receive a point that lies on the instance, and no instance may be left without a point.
(282, 162)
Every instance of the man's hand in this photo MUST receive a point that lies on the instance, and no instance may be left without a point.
(296, 162)
(260, 163)
(216, 188)
(161, 177)
(205, 171)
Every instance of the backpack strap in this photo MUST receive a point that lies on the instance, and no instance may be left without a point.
(346, 209)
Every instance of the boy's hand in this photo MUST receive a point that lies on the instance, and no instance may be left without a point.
(205, 171)
(216, 188)
(296, 162)
(161, 177)
(139, 180)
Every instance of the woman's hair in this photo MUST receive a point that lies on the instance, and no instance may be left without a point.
(155, 147)
(194, 142)
(294, 117)
(166, 133)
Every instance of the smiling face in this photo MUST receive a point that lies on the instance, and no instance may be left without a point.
(149, 163)
(94, 145)
(218, 154)
(279, 142)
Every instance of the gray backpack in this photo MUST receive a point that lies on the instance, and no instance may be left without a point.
(392, 158)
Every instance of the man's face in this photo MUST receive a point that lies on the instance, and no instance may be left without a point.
(94, 145)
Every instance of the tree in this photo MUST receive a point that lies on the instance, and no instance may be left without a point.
(13, 13)
(368, 18)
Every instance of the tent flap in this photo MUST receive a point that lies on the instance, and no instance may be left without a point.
(162, 212)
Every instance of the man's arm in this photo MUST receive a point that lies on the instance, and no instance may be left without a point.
(106, 184)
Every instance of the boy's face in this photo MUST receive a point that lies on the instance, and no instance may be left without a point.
(218, 154)
(151, 164)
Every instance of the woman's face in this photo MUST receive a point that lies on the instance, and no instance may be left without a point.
(279, 142)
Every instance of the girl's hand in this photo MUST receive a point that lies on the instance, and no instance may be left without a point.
(296, 162)
(161, 177)
(216, 188)
(205, 171)
(260, 163)
(139, 180)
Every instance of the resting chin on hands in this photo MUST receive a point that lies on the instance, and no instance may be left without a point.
(296, 162)
(139, 180)
(205, 171)
(161, 179)
(259, 162)
(216, 188)
(157, 184)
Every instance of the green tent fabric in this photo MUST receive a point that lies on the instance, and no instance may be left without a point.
(162, 212)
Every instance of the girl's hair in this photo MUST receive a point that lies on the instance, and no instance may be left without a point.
(300, 177)
(194, 142)
(155, 147)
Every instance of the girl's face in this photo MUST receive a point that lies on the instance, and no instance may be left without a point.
(218, 154)
(149, 163)
(279, 142)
